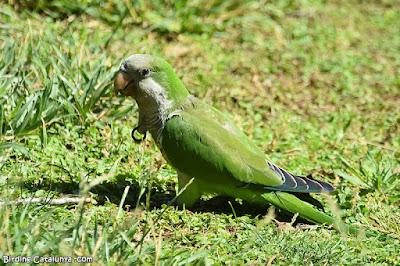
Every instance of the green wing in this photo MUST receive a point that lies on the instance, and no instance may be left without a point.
(202, 142)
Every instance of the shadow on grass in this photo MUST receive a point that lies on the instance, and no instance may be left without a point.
(112, 191)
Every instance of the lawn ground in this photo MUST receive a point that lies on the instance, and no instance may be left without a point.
(315, 84)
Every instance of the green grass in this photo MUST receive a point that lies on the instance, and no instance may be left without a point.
(316, 85)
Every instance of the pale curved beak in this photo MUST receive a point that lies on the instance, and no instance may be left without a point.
(121, 83)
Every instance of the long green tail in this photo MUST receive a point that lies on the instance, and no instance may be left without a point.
(292, 204)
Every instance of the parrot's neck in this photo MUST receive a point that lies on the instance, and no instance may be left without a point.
(154, 107)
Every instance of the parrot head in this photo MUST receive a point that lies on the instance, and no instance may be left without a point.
(151, 81)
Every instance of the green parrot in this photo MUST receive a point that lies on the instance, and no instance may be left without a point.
(207, 149)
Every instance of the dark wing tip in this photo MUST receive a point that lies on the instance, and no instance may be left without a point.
(326, 186)
(302, 184)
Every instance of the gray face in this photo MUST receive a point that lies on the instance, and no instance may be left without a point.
(136, 79)
(133, 71)
(135, 63)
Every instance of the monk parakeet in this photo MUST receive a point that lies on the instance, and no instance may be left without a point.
(200, 142)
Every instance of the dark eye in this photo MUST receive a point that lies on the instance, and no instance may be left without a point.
(145, 72)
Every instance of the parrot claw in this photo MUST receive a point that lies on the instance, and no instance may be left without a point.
(133, 135)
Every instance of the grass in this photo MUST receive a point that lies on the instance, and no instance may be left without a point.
(315, 85)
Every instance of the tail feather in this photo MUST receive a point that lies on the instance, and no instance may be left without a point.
(291, 203)
(308, 198)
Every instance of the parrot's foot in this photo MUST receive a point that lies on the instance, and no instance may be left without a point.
(191, 192)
